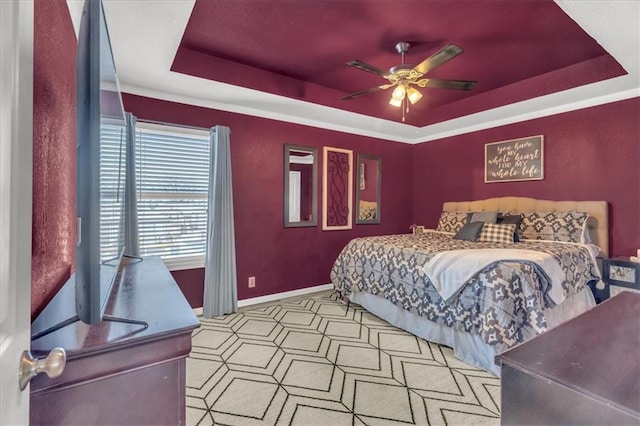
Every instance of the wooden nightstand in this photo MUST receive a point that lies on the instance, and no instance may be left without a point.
(620, 274)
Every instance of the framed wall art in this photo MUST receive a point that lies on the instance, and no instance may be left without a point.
(337, 189)
(514, 160)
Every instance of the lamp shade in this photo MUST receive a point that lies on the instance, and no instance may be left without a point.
(399, 92)
(414, 95)
(395, 102)
(398, 96)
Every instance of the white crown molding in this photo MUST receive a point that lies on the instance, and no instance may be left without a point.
(184, 89)
(543, 106)
(146, 34)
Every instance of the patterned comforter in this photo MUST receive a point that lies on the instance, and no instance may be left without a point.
(503, 303)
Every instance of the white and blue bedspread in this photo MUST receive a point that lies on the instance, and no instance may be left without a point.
(502, 301)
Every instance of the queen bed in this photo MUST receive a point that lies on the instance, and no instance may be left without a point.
(482, 294)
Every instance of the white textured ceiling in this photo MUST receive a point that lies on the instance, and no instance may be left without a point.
(145, 35)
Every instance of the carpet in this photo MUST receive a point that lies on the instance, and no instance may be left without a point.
(313, 361)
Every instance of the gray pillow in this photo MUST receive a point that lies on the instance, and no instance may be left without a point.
(514, 219)
(469, 231)
(487, 217)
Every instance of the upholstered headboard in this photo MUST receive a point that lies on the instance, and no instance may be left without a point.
(598, 222)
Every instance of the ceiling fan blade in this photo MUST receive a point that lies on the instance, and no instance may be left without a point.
(447, 84)
(366, 92)
(368, 68)
(443, 55)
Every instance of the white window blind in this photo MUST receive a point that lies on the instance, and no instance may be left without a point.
(112, 179)
(172, 177)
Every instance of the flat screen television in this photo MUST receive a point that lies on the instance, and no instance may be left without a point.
(101, 154)
(101, 131)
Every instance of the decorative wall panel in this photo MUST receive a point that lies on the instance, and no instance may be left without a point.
(337, 188)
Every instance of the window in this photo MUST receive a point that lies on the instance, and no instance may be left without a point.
(112, 180)
(172, 178)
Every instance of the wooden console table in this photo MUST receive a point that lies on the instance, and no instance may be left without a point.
(584, 372)
(118, 373)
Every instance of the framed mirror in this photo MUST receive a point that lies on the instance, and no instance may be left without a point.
(369, 168)
(337, 188)
(300, 186)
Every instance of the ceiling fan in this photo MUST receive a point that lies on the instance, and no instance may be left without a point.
(404, 76)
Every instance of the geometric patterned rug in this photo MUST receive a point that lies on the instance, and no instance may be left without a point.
(313, 361)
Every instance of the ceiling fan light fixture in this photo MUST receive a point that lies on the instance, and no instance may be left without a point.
(397, 97)
(403, 77)
(398, 92)
(414, 95)
(395, 102)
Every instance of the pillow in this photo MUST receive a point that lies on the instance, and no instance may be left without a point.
(487, 217)
(497, 233)
(451, 221)
(586, 234)
(469, 232)
(555, 226)
(511, 218)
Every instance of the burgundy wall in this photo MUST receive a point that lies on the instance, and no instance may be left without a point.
(590, 154)
(54, 141)
(283, 259)
(191, 282)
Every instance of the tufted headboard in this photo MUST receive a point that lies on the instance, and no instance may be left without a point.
(598, 222)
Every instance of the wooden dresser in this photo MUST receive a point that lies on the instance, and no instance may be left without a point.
(118, 373)
(586, 371)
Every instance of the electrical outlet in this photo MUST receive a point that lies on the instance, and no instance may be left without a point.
(252, 282)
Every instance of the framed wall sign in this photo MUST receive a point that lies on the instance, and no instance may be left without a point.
(514, 160)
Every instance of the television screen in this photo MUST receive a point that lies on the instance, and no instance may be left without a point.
(101, 153)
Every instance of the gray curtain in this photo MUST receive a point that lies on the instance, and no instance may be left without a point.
(131, 238)
(220, 281)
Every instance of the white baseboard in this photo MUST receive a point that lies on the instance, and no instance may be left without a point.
(277, 296)
(283, 295)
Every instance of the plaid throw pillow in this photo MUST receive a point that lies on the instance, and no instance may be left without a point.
(451, 221)
(495, 233)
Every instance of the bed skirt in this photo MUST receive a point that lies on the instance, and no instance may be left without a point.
(467, 347)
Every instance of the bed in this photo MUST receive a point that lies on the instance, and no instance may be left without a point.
(481, 297)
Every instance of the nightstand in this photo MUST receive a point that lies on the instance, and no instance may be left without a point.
(620, 274)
